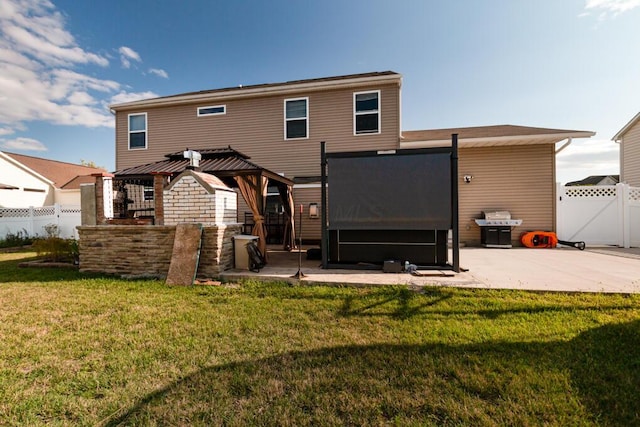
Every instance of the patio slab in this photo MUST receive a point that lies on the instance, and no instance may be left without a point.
(560, 270)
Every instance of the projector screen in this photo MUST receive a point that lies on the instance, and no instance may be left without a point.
(390, 192)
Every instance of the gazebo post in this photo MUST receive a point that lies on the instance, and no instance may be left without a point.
(159, 182)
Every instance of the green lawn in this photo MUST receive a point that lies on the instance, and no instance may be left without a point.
(87, 350)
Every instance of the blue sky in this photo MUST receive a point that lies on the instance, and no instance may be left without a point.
(569, 64)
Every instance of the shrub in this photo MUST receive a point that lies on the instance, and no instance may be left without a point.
(54, 248)
(14, 240)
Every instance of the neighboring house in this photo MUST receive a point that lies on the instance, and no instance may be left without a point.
(280, 126)
(629, 139)
(32, 181)
(596, 180)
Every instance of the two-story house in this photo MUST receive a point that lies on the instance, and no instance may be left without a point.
(280, 126)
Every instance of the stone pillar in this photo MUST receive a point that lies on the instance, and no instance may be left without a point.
(100, 201)
(88, 204)
(159, 182)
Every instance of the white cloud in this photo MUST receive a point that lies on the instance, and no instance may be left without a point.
(609, 7)
(159, 72)
(123, 97)
(127, 55)
(27, 144)
(40, 77)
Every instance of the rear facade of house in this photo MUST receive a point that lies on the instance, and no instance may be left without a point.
(280, 126)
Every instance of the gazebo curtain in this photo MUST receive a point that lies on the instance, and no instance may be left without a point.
(254, 190)
(289, 238)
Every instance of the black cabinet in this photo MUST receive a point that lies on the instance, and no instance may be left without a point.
(495, 236)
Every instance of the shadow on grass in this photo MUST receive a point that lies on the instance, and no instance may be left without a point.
(594, 378)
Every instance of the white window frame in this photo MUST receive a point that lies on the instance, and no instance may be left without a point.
(378, 111)
(306, 118)
(223, 106)
(146, 131)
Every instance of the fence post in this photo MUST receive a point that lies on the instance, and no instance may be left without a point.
(56, 214)
(559, 214)
(625, 214)
(32, 216)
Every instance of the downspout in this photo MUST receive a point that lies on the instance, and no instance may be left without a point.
(565, 145)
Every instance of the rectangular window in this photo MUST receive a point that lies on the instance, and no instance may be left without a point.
(148, 193)
(214, 110)
(137, 131)
(366, 112)
(296, 118)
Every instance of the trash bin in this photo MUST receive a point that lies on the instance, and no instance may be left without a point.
(241, 255)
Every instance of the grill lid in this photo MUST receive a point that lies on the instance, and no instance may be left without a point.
(497, 215)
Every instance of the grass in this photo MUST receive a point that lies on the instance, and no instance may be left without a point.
(90, 350)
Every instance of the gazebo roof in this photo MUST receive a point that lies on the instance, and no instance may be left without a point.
(221, 162)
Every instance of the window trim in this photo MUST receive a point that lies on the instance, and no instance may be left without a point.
(306, 117)
(222, 113)
(378, 112)
(146, 131)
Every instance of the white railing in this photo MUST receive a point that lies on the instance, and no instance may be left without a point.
(32, 220)
(599, 215)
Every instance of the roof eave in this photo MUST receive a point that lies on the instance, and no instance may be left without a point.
(27, 169)
(618, 136)
(501, 140)
(240, 93)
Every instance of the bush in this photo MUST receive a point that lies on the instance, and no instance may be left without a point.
(15, 240)
(56, 249)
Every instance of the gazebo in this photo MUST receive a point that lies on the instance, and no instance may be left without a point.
(139, 188)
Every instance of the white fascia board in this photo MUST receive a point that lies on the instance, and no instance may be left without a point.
(618, 136)
(241, 93)
(26, 169)
(489, 141)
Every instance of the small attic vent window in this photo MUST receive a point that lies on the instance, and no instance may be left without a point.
(215, 110)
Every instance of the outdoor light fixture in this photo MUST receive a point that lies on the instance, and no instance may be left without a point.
(313, 210)
(468, 178)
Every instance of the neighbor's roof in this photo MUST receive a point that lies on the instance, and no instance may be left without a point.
(222, 162)
(486, 136)
(594, 180)
(626, 128)
(351, 80)
(63, 175)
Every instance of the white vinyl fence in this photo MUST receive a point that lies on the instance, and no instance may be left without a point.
(599, 215)
(32, 220)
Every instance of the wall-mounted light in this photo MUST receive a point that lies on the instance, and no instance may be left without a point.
(313, 210)
(468, 178)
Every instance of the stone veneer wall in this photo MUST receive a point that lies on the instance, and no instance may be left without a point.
(188, 201)
(145, 250)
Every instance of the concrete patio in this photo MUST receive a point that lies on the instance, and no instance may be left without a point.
(601, 269)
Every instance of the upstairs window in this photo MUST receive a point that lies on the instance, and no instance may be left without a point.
(296, 118)
(214, 110)
(137, 131)
(366, 112)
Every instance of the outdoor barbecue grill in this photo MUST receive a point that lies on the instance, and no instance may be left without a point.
(495, 229)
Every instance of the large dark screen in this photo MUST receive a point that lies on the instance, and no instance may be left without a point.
(390, 192)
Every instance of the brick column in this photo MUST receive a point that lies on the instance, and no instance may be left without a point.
(159, 181)
(100, 218)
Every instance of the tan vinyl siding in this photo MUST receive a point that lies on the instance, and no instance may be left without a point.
(256, 127)
(630, 156)
(519, 179)
(311, 227)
